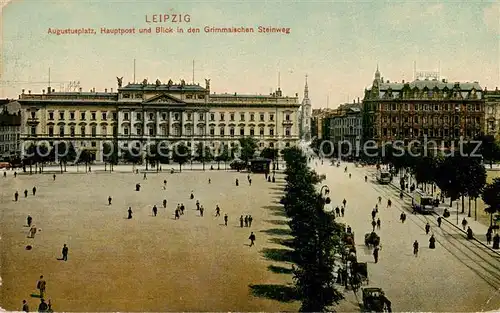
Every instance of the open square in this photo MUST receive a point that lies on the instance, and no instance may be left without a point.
(146, 263)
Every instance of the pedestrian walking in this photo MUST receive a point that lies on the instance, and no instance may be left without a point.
(32, 232)
(16, 196)
(165, 203)
(374, 213)
(246, 220)
(432, 242)
(252, 239)
(54, 177)
(129, 212)
(29, 219)
(225, 219)
(191, 196)
(217, 211)
(378, 223)
(237, 182)
(439, 220)
(177, 215)
(375, 253)
(379, 199)
(41, 285)
(488, 237)
(241, 221)
(25, 308)
(182, 208)
(201, 210)
(34, 190)
(109, 200)
(43, 307)
(415, 248)
(197, 205)
(389, 203)
(25, 193)
(344, 202)
(4, 174)
(164, 183)
(427, 228)
(144, 177)
(337, 211)
(155, 210)
(15, 174)
(65, 253)
(464, 223)
(209, 181)
(250, 220)
(373, 225)
(250, 182)
(342, 211)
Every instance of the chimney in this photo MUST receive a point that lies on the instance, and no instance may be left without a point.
(48, 90)
(111, 90)
(43, 91)
(93, 89)
(22, 91)
(403, 81)
(80, 89)
(29, 91)
(53, 90)
(358, 99)
(106, 90)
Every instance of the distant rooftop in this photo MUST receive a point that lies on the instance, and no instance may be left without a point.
(176, 87)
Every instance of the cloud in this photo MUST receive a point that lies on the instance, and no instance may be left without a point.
(491, 17)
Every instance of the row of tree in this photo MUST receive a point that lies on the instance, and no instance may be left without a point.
(457, 176)
(316, 235)
(65, 152)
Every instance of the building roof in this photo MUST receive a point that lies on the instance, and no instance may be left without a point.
(430, 84)
(152, 87)
(8, 119)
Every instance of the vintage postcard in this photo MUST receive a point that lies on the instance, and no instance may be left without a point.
(249, 156)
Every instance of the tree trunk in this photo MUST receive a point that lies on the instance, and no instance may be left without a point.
(463, 204)
(475, 208)
(65, 166)
(203, 162)
(61, 166)
(86, 166)
(147, 164)
(469, 215)
(491, 219)
(218, 165)
(31, 168)
(180, 167)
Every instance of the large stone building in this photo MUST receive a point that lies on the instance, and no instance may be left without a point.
(346, 125)
(319, 122)
(433, 109)
(149, 113)
(305, 115)
(10, 130)
(492, 112)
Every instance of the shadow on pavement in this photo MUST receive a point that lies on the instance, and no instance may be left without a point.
(279, 213)
(279, 269)
(275, 292)
(279, 255)
(273, 207)
(277, 231)
(277, 222)
(277, 189)
(284, 242)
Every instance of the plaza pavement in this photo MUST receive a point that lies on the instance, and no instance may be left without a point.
(146, 263)
(457, 276)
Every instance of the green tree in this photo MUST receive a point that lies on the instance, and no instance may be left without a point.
(489, 149)
(203, 154)
(86, 157)
(29, 158)
(248, 146)
(163, 153)
(132, 155)
(491, 197)
(424, 170)
(224, 156)
(110, 155)
(181, 155)
(152, 157)
(476, 180)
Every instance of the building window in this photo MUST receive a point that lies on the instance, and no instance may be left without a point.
(61, 131)
(189, 96)
(222, 116)
(94, 131)
(139, 131)
(252, 117)
(231, 132)
(242, 117)
(212, 131)
(177, 130)
(51, 131)
(242, 131)
(82, 131)
(51, 116)
(201, 130)
(139, 116)
(164, 130)
(201, 97)
(201, 117)
(151, 116)
(271, 117)
(61, 115)
(92, 116)
(125, 131)
(176, 116)
(104, 116)
(151, 131)
(189, 130)
(189, 117)
(72, 131)
(212, 116)
(114, 116)
(262, 117)
(271, 131)
(125, 117)
(261, 131)
(104, 130)
(252, 132)
(288, 132)
(93, 144)
(115, 130)
(271, 145)
(71, 115)
(33, 131)
(287, 145)
(231, 117)
(164, 116)
(287, 117)
(221, 131)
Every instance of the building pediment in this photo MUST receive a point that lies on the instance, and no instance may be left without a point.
(164, 99)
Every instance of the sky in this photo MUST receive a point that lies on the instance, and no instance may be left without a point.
(338, 45)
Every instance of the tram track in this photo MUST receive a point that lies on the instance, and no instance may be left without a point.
(483, 262)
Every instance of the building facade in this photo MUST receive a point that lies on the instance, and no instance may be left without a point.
(492, 112)
(432, 109)
(10, 132)
(140, 114)
(346, 125)
(319, 123)
(305, 115)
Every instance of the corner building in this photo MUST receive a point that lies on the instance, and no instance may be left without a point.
(151, 113)
(432, 109)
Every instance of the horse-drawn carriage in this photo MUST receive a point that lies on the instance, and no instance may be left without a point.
(374, 300)
(359, 275)
(372, 239)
